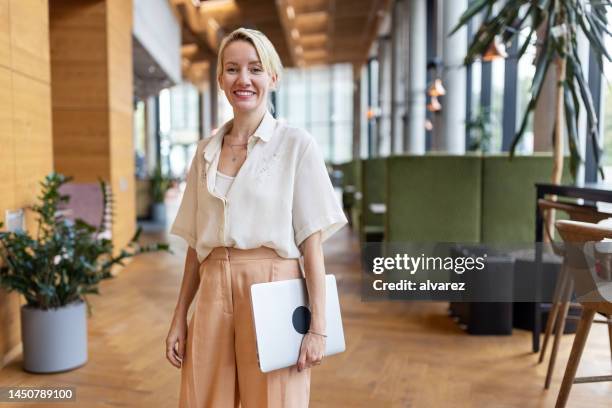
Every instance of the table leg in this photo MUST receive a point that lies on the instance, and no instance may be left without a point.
(539, 237)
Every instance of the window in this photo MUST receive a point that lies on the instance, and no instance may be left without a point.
(320, 99)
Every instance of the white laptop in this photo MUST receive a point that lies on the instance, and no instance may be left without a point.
(281, 319)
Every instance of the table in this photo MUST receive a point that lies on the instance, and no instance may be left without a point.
(591, 193)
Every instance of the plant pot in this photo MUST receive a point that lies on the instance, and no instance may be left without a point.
(54, 339)
(159, 213)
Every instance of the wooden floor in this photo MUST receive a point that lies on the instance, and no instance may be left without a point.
(399, 354)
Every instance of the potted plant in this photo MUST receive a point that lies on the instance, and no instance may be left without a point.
(55, 272)
(159, 186)
(480, 131)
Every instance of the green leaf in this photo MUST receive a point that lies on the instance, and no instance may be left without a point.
(475, 7)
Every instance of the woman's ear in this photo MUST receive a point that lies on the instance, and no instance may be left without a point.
(273, 82)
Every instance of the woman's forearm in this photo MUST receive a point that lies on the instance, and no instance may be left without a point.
(314, 269)
(190, 284)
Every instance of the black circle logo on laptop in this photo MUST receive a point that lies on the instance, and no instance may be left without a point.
(301, 319)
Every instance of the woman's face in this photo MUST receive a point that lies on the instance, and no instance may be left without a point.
(243, 79)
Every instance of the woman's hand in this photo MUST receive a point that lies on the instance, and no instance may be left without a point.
(311, 351)
(176, 340)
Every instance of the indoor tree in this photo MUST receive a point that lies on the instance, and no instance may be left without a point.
(556, 23)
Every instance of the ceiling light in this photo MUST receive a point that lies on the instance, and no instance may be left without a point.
(495, 50)
(436, 88)
(213, 24)
(434, 105)
(290, 12)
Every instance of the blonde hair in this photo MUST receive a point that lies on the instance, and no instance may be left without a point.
(265, 50)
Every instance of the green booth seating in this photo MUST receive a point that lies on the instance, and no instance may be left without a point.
(374, 191)
(433, 198)
(508, 195)
(351, 187)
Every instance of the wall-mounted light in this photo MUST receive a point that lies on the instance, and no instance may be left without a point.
(295, 34)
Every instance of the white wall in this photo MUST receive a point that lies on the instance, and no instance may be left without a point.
(158, 30)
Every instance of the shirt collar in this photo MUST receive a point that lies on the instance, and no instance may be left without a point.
(264, 131)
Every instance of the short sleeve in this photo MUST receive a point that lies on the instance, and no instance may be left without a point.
(184, 224)
(315, 204)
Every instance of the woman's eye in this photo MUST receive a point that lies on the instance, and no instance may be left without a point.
(257, 70)
(231, 70)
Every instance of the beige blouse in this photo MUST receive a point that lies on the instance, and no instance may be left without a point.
(280, 196)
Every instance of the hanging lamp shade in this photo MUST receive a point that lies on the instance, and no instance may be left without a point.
(436, 88)
(496, 50)
(434, 105)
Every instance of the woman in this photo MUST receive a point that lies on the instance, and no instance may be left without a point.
(258, 196)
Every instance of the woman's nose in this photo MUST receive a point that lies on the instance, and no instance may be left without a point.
(243, 77)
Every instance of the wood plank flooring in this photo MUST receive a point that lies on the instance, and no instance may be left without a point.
(399, 354)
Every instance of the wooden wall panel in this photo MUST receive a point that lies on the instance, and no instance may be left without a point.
(79, 72)
(25, 130)
(91, 49)
(80, 143)
(7, 141)
(33, 144)
(122, 154)
(5, 35)
(119, 43)
(29, 24)
(9, 304)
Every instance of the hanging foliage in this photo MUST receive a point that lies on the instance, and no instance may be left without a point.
(560, 22)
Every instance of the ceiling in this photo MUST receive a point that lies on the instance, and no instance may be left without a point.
(304, 32)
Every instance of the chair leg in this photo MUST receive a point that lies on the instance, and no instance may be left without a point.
(565, 304)
(609, 334)
(574, 359)
(554, 310)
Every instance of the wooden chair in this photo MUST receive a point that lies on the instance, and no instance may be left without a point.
(593, 292)
(563, 291)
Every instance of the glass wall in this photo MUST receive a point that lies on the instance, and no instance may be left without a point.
(320, 99)
(179, 114)
(140, 140)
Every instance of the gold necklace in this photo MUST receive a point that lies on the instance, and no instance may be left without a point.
(232, 149)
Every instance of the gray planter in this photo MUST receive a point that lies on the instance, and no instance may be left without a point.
(54, 339)
(159, 213)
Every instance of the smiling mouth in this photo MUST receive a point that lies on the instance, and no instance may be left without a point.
(244, 93)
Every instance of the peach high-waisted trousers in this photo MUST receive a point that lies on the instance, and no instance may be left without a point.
(220, 367)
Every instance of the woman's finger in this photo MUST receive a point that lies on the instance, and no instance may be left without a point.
(181, 347)
(170, 358)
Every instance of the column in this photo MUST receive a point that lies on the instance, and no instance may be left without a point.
(398, 62)
(545, 108)
(214, 92)
(92, 100)
(26, 145)
(357, 111)
(417, 77)
(454, 78)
